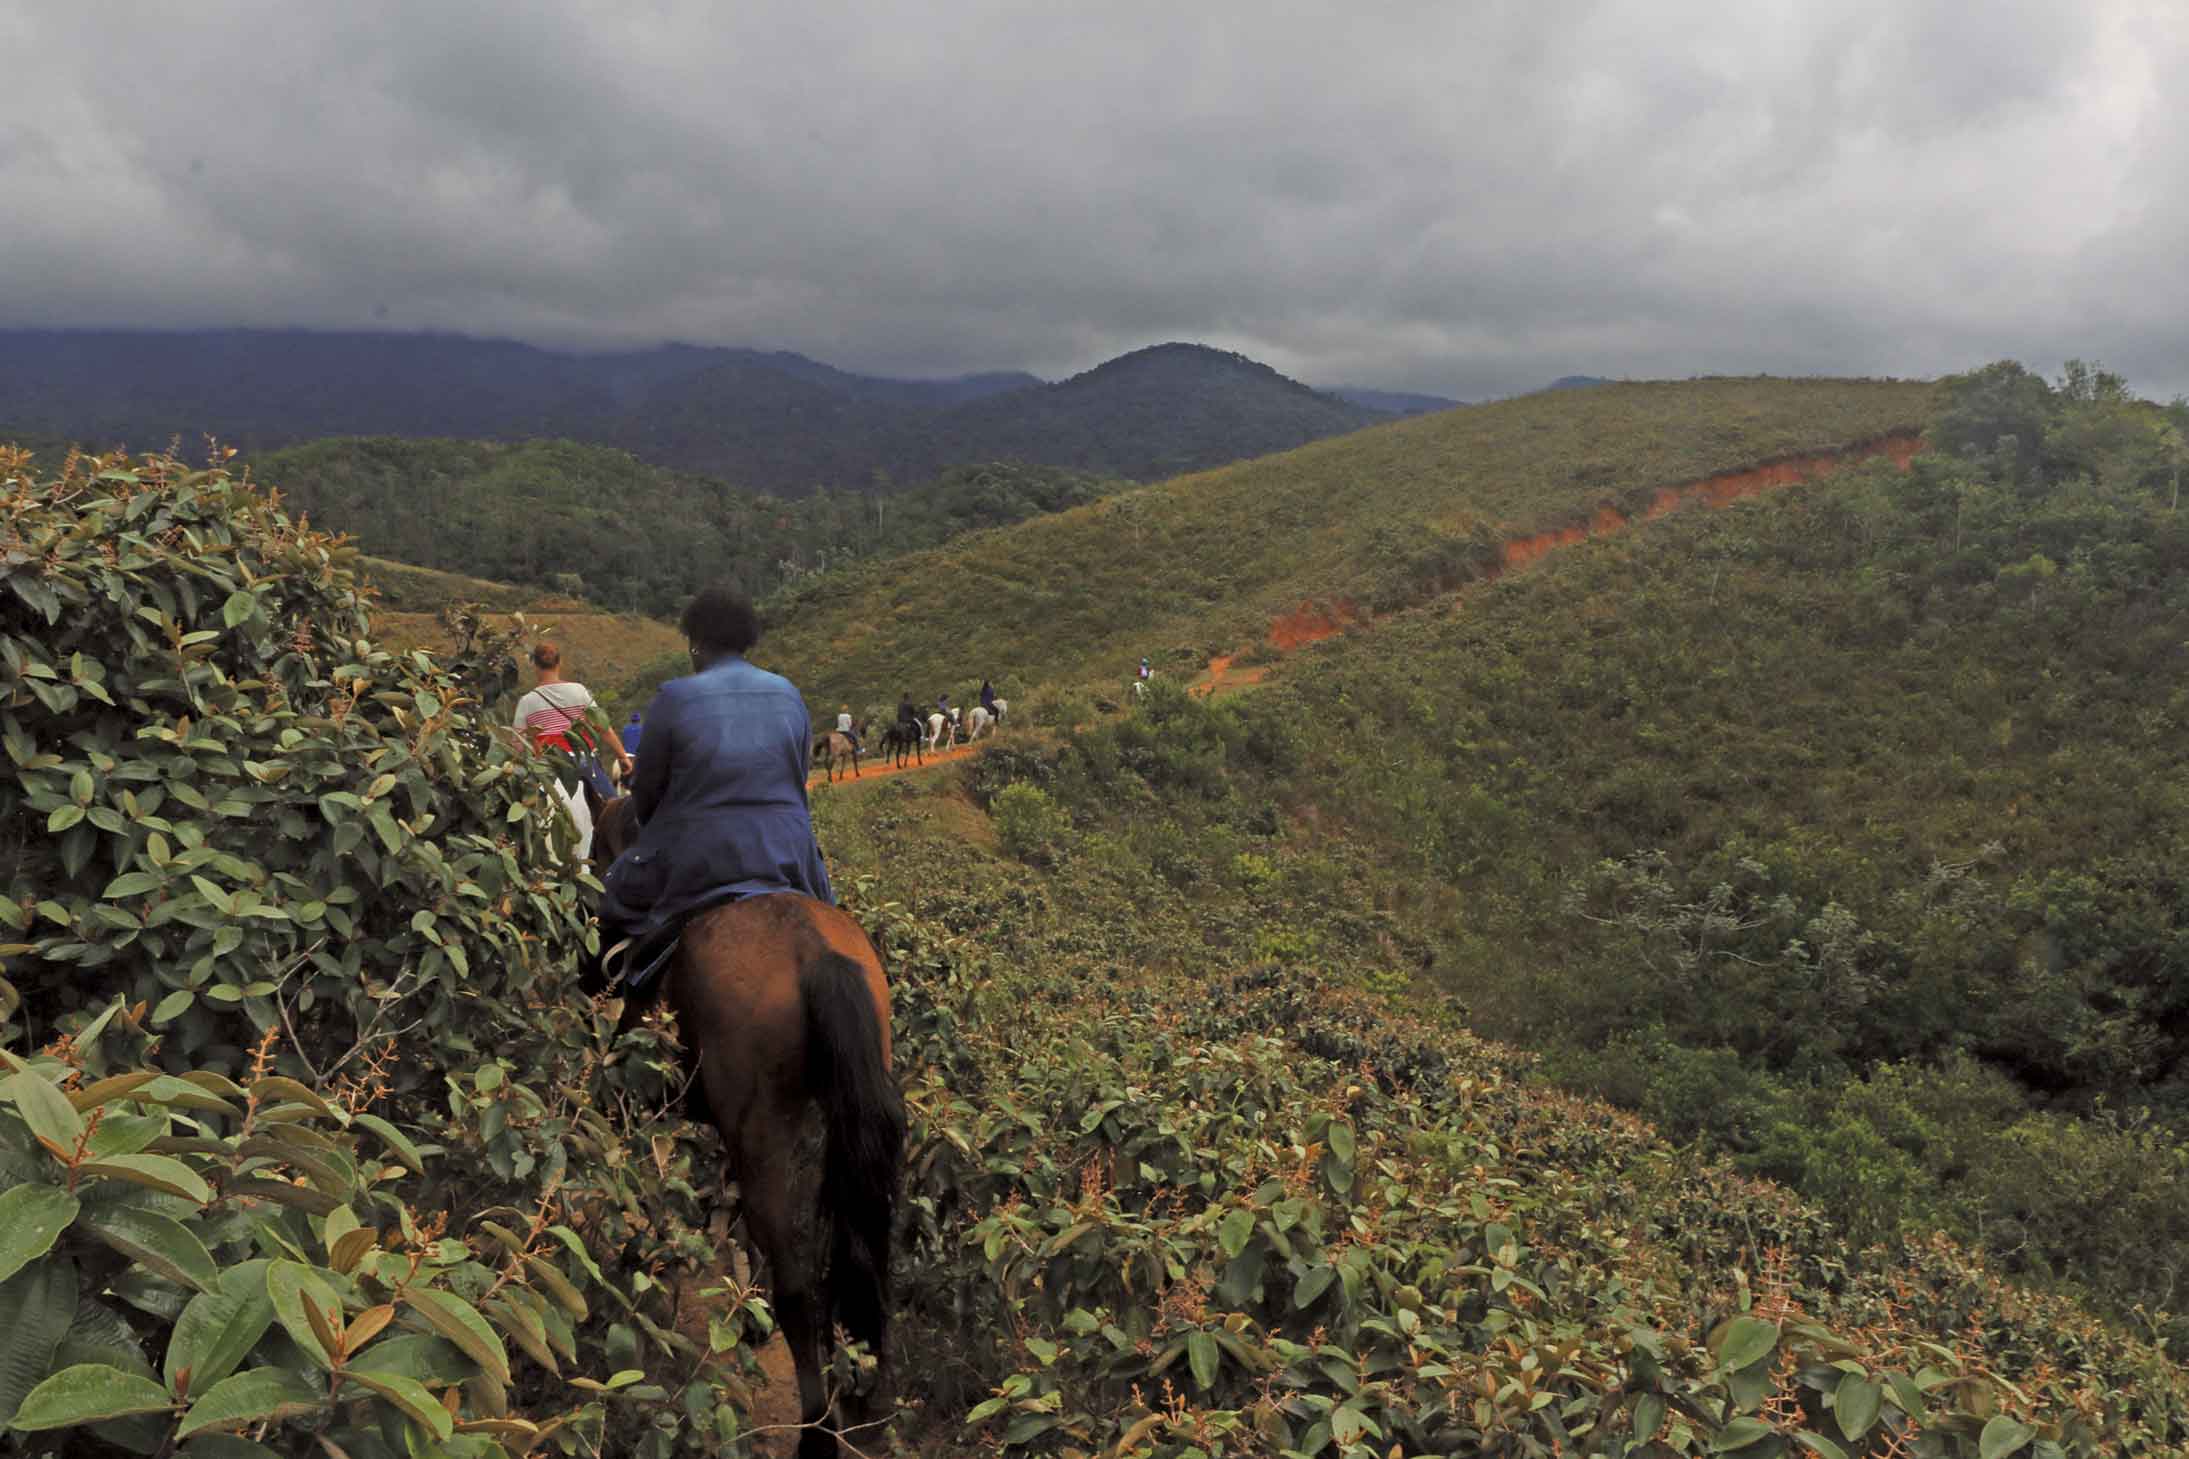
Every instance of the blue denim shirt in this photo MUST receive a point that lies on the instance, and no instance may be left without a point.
(721, 794)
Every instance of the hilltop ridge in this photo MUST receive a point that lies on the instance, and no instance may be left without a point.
(770, 421)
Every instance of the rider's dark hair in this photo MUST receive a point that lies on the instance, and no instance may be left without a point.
(721, 619)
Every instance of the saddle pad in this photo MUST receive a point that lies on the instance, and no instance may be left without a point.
(647, 960)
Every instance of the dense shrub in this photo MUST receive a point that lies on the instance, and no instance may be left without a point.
(1029, 825)
(271, 888)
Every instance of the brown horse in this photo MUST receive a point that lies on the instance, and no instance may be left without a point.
(783, 1005)
(829, 748)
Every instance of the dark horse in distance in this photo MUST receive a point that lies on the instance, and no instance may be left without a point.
(783, 1005)
(902, 741)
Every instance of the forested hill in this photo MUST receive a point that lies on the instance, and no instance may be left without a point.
(1200, 564)
(629, 536)
(774, 422)
(1153, 413)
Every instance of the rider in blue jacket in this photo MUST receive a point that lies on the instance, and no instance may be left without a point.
(721, 790)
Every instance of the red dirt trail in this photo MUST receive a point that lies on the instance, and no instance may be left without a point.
(872, 764)
(1311, 622)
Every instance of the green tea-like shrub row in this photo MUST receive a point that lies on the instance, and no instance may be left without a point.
(313, 1149)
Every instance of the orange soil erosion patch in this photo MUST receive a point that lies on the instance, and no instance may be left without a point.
(1721, 490)
(1311, 623)
(1732, 486)
(1221, 673)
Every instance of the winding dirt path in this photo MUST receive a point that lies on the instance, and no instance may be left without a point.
(1312, 622)
(873, 764)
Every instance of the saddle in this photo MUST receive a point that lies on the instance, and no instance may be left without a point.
(631, 969)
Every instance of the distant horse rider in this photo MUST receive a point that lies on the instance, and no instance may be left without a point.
(721, 798)
(988, 698)
(1145, 671)
(906, 714)
(843, 727)
(632, 728)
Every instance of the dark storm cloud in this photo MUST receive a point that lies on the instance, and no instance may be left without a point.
(1467, 198)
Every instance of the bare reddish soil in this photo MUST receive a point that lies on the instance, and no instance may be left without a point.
(1713, 491)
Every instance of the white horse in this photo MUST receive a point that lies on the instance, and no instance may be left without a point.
(939, 725)
(977, 722)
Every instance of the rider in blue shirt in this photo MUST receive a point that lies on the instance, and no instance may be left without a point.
(721, 790)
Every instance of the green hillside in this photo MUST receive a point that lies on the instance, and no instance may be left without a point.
(1182, 1181)
(406, 588)
(1199, 565)
(1839, 830)
(573, 519)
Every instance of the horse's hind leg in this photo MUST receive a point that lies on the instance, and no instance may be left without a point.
(771, 1182)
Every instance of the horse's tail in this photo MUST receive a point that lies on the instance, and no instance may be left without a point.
(866, 1131)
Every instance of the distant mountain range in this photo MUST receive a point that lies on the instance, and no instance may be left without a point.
(770, 421)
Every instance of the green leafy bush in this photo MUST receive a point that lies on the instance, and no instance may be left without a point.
(249, 854)
(1029, 825)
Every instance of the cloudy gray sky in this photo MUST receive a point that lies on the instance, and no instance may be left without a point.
(1463, 196)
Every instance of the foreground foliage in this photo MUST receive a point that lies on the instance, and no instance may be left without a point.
(1257, 1213)
(290, 920)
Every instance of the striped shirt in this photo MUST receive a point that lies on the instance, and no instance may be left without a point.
(547, 713)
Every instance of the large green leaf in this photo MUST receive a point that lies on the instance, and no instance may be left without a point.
(1236, 1230)
(252, 1397)
(1739, 1434)
(409, 1396)
(32, 1218)
(37, 1306)
(418, 1355)
(88, 1393)
(218, 1329)
(158, 1243)
(1748, 1340)
(2003, 1436)
(460, 1322)
(1854, 1404)
(288, 1283)
(397, 1142)
(45, 1109)
(156, 1172)
(1203, 1357)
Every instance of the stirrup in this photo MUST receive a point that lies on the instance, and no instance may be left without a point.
(608, 972)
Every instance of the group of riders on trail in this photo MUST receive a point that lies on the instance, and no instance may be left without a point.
(719, 794)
